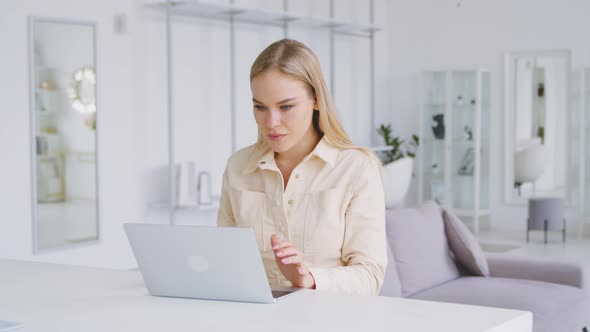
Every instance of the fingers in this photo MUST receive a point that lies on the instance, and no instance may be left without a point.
(278, 243)
(288, 251)
(274, 240)
(290, 262)
(288, 255)
(295, 259)
(284, 251)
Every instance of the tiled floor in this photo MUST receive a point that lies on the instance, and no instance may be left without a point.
(514, 244)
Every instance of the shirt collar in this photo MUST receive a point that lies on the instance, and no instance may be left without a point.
(263, 157)
(326, 151)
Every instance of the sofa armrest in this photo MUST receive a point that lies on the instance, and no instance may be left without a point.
(564, 273)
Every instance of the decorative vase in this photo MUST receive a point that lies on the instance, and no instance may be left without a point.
(438, 126)
(396, 180)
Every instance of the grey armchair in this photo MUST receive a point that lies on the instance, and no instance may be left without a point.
(422, 266)
(563, 273)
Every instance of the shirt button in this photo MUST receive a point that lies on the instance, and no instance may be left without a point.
(297, 176)
(262, 162)
(290, 202)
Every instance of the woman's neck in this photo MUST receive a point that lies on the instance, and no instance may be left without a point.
(295, 155)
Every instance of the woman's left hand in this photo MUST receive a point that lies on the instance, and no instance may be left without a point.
(289, 260)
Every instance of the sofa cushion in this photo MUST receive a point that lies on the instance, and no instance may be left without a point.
(464, 246)
(391, 284)
(419, 248)
(555, 307)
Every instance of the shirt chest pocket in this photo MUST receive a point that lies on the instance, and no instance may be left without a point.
(250, 211)
(325, 220)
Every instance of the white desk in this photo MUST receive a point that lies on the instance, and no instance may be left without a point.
(48, 297)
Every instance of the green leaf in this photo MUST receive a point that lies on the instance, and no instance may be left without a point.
(399, 147)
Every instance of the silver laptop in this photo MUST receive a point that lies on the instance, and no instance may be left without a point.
(202, 262)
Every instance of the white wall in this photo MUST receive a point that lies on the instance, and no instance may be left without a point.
(434, 34)
(132, 119)
(200, 52)
(132, 123)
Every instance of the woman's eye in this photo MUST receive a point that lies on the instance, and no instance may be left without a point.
(259, 107)
(286, 107)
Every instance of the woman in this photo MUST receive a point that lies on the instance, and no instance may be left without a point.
(314, 200)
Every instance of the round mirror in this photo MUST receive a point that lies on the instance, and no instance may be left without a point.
(82, 90)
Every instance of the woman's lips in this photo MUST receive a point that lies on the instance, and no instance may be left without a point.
(276, 137)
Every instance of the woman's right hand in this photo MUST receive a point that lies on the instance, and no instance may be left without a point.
(290, 262)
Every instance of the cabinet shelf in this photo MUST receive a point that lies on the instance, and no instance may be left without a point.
(56, 70)
(463, 105)
(44, 112)
(48, 90)
(41, 68)
(434, 140)
(465, 143)
(277, 18)
(462, 176)
(434, 175)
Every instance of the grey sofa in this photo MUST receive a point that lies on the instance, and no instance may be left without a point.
(428, 261)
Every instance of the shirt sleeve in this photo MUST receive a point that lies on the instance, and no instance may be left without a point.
(365, 248)
(225, 216)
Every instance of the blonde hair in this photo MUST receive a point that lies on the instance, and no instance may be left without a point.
(294, 59)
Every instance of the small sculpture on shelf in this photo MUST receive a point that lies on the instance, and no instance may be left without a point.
(459, 100)
(468, 163)
(468, 133)
(438, 126)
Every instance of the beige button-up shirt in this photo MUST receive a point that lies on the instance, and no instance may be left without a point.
(332, 210)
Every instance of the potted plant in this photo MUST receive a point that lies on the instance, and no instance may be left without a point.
(398, 162)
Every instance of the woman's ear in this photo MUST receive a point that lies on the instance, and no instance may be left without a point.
(315, 102)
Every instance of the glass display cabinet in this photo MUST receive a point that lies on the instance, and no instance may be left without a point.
(585, 153)
(453, 156)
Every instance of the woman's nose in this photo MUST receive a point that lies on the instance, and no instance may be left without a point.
(273, 119)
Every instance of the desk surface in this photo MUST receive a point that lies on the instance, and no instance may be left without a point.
(49, 297)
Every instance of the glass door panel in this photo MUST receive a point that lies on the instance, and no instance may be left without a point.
(433, 136)
(485, 139)
(463, 108)
(587, 141)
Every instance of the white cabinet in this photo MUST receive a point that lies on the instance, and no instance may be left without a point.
(453, 156)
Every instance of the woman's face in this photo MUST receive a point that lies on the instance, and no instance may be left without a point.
(283, 109)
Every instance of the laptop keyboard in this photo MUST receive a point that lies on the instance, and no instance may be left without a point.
(276, 294)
